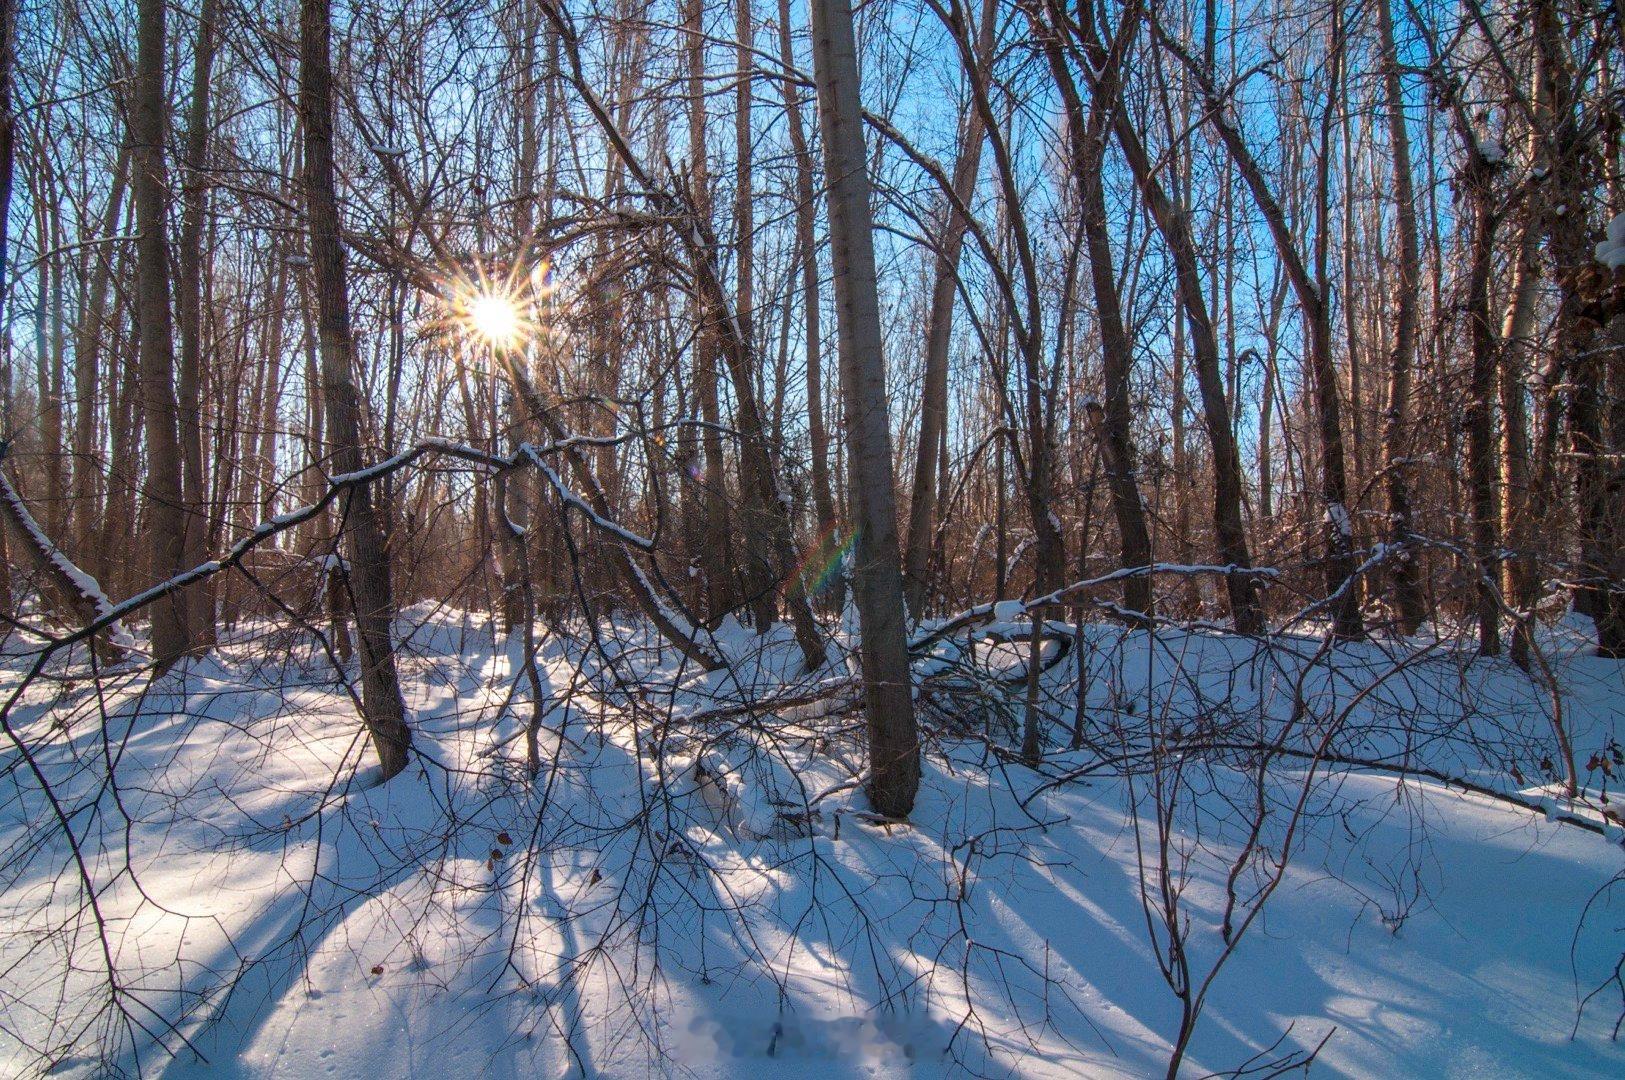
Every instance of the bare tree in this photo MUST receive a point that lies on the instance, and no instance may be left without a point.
(812, 316)
(368, 571)
(189, 299)
(1310, 282)
(922, 512)
(877, 577)
(1173, 222)
(172, 636)
(1408, 600)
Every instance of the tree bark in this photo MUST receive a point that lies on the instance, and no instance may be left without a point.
(807, 254)
(1173, 222)
(189, 302)
(1087, 140)
(1406, 575)
(1578, 362)
(87, 535)
(1310, 288)
(165, 507)
(760, 492)
(894, 756)
(720, 594)
(1479, 419)
(1520, 576)
(384, 711)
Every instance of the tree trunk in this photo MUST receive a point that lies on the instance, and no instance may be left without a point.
(48, 358)
(165, 513)
(383, 708)
(762, 604)
(762, 496)
(713, 556)
(922, 510)
(1087, 139)
(87, 535)
(1479, 419)
(1520, 574)
(63, 585)
(1173, 223)
(894, 756)
(189, 301)
(1609, 523)
(807, 253)
(1408, 600)
(1578, 362)
(633, 579)
(1315, 309)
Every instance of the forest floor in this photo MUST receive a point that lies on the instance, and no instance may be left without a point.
(707, 893)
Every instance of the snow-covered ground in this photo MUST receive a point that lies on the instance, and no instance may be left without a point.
(709, 895)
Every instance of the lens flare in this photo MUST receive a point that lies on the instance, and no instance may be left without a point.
(496, 309)
(821, 563)
(495, 319)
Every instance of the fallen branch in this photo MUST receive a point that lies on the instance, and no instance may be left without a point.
(1071, 594)
(78, 594)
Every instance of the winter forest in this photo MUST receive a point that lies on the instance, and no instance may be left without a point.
(637, 538)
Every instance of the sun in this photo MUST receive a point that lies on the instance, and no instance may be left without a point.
(495, 319)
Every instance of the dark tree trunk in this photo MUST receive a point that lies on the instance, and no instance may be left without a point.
(363, 535)
(807, 255)
(1172, 220)
(1479, 420)
(189, 301)
(165, 514)
(922, 510)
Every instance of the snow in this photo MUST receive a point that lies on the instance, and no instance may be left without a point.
(1610, 251)
(1008, 610)
(1337, 516)
(710, 895)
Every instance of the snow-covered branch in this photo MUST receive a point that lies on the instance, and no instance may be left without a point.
(1006, 610)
